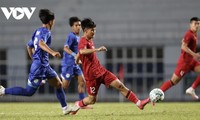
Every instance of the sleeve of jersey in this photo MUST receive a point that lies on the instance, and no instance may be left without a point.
(43, 36)
(30, 43)
(187, 38)
(69, 41)
(82, 45)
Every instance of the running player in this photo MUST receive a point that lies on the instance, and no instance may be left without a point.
(39, 49)
(191, 89)
(94, 73)
(189, 59)
(69, 68)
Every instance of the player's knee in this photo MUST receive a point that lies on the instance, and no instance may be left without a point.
(81, 84)
(59, 85)
(65, 87)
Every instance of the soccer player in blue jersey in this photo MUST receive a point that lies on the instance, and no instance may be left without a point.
(39, 49)
(69, 68)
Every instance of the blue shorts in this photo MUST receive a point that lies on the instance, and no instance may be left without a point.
(39, 73)
(69, 71)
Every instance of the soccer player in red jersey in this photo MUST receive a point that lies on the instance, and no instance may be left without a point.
(95, 74)
(188, 60)
(195, 84)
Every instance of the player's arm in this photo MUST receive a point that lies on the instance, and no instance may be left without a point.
(77, 59)
(30, 51)
(89, 51)
(30, 48)
(46, 48)
(67, 50)
(184, 46)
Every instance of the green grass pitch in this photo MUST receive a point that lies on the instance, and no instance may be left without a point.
(102, 111)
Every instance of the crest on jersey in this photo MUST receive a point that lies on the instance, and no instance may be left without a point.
(67, 75)
(36, 81)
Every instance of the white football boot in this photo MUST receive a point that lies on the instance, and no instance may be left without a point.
(70, 109)
(2, 90)
(76, 108)
(67, 110)
(191, 91)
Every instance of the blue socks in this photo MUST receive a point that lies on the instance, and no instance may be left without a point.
(81, 96)
(61, 97)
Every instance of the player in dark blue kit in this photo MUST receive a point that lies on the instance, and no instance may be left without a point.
(69, 68)
(39, 50)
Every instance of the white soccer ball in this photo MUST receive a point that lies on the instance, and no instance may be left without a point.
(156, 95)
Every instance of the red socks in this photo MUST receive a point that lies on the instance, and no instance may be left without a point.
(166, 85)
(81, 104)
(196, 83)
(132, 97)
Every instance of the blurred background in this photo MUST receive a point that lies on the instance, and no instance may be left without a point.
(143, 38)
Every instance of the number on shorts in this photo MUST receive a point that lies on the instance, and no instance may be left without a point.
(92, 90)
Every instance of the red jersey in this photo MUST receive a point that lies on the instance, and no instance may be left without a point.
(92, 69)
(191, 39)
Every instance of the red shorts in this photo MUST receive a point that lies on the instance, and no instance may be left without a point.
(182, 67)
(92, 86)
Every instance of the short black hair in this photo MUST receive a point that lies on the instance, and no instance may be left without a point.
(194, 19)
(46, 15)
(87, 23)
(73, 19)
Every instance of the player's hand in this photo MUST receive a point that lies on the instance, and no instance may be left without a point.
(102, 48)
(56, 54)
(197, 56)
(77, 60)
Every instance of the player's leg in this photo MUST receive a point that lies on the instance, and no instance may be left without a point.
(33, 83)
(81, 91)
(92, 88)
(84, 102)
(55, 81)
(19, 91)
(66, 75)
(191, 89)
(81, 81)
(195, 84)
(168, 84)
(130, 95)
(111, 80)
(81, 87)
(181, 69)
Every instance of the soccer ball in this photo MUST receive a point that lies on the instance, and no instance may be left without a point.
(156, 95)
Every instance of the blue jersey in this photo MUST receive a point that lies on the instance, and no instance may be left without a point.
(72, 43)
(40, 56)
